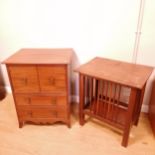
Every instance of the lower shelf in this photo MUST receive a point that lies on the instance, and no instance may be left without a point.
(112, 114)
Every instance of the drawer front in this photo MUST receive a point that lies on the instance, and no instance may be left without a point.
(52, 78)
(24, 78)
(32, 113)
(41, 100)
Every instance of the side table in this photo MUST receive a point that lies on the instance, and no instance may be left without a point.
(103, 83)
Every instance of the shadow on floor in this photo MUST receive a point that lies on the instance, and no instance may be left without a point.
(2, 93)
(2, 86)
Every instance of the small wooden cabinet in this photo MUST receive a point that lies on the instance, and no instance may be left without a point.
(40, 81)
(152, 108)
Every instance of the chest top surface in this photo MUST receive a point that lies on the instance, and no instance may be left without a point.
(132, 75)
(41, 56)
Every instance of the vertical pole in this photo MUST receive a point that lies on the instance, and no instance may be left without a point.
(138, 31)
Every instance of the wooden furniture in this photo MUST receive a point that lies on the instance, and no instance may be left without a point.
(112, 91)
(152, 108)
(40, 81)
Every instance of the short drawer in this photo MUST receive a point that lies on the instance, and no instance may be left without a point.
(24, 78)
(52, 78)
(41, 100)
(29, 113)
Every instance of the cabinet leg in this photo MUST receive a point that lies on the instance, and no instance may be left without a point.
(68, 124)
(21, 124)
(82, 120)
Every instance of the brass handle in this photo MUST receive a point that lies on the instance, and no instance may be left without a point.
(29, 100)
(24, 80)
(52, 81)
(55, 113)
(30, 114)
(53, 101)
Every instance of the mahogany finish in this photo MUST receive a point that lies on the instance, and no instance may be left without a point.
(152, 109)
(112, 91)
(40, 81)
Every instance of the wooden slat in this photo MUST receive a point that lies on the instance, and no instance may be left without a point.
(114, 98)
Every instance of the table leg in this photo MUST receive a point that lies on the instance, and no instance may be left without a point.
(82, 98)
(129, 117)
(140, 105)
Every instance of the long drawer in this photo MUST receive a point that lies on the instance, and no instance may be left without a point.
(25, 112)
(40, 100)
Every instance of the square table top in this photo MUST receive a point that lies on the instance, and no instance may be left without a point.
(128, 74)
(41, 56)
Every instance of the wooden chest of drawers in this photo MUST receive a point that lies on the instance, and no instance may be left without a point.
(40, 83)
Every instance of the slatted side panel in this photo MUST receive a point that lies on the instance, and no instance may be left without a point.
(90, 92)
(104, 99)
(109, 104)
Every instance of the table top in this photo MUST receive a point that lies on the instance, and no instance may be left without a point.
(41, 56)
(128, 74)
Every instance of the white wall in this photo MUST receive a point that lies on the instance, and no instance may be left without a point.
(92, 27)
(146, 52)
